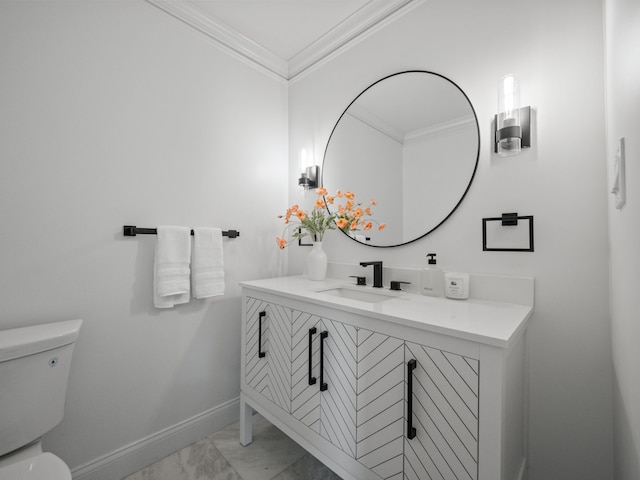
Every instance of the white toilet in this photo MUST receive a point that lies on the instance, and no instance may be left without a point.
(34, 369)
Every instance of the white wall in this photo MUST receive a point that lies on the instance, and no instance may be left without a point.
(557, 48)
(623, 103)
(115, 113)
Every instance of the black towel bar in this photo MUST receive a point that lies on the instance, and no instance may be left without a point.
(132, 231)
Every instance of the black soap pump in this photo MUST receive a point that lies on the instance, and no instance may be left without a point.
(432, 278)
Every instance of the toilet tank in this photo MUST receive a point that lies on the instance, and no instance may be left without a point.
(34, 369)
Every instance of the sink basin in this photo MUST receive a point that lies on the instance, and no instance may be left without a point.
(368, 296)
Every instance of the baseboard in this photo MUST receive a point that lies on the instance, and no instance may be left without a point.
(137, 455)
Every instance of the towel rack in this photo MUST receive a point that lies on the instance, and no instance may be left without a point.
(132, 231)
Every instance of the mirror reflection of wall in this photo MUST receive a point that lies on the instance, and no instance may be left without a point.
(411, 141)
(370, 165)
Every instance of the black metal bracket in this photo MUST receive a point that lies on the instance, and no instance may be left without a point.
(509, 219)
(524, 133)
(300, 244)
(132, 231)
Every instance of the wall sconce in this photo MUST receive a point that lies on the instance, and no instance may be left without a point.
(513, 130)
(309, 172)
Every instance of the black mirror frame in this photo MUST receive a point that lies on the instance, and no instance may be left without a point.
(475, 168)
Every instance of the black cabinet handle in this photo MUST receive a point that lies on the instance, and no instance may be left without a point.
(323, 386)
(411, 366)
(312, 332)
(261, 315)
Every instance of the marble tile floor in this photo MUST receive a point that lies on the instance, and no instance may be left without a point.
(271, 456)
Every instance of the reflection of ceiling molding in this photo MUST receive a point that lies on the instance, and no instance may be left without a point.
(373, 15)
(375, 122)
(444, 128)
(415, 136)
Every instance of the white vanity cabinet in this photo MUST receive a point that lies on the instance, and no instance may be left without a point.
(375, 399)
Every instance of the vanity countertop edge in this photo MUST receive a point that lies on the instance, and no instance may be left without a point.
(497, 324)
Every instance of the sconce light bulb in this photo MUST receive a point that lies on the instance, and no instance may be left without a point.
(509, 95)
(508, 127)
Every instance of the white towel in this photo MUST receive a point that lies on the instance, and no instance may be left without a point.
(207, 265)
(171, 284)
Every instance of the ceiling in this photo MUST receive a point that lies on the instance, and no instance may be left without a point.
(285, 37)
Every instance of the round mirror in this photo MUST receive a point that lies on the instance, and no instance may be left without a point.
(410, 141)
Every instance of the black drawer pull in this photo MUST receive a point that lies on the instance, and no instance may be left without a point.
(411, 366)
(261, 315)
(312, 332)
(323, 386)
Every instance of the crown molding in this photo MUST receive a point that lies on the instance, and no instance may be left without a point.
(374, 14)
(224, 35)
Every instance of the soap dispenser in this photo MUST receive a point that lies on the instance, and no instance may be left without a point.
(432, 278)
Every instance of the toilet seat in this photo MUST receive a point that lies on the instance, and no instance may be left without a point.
(44, 466)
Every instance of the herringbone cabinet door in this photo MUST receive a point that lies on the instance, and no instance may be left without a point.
(270, 333)
(305, 397)
(338, 402)
(380, 403)
(445, 415)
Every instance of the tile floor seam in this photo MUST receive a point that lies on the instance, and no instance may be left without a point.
(271, 456)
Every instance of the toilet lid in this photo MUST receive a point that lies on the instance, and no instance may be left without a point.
(45, 466)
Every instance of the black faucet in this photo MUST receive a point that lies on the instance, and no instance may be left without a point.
(377, 272)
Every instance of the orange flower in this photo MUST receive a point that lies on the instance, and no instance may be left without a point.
(381, 226)
(349, 217)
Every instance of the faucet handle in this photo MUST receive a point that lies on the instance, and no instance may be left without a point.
(395, 284)
(359, 280)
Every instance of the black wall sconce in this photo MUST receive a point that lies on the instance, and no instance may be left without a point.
(513, 123)
(309, 171)
(309, 177)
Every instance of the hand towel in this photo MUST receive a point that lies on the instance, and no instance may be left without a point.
(171, 270)
(207, 265)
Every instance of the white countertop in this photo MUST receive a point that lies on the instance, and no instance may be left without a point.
(491, 323)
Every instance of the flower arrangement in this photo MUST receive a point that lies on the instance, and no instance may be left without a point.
(348, 217)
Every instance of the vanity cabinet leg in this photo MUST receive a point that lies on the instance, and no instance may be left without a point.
(246, 423)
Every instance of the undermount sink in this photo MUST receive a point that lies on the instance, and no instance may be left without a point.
(355, 293)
